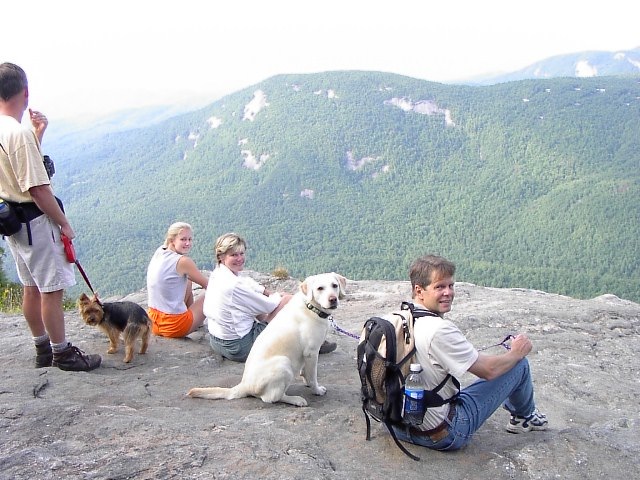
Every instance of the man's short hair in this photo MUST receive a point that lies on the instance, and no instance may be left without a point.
(12, 80)
(428, 269)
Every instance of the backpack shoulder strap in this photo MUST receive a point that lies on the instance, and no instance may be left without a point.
(417, 312)
(400, 446)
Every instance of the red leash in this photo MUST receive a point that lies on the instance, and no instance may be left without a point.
(71, 257)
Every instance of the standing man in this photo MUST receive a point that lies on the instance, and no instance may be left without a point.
(443, 350)
(37, 249)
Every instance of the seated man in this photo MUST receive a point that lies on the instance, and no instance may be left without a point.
(442, 349)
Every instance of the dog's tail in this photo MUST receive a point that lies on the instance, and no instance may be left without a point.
(214, 393)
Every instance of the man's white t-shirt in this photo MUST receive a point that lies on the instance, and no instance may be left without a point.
(441, 349)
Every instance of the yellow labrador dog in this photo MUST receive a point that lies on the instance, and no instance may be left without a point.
(288, 346)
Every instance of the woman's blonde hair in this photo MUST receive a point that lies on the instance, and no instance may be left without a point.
(229, 242)
(174, 231)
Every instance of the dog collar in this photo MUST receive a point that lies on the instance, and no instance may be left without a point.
(315, 309)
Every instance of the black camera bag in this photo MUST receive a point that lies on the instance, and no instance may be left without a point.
(10, 224)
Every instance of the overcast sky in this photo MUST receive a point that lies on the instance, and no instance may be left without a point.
(97, 56)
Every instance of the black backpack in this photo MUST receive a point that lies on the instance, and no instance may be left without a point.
(384, 354)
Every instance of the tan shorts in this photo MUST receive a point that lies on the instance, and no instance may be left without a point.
(42, 264)
(174, 325)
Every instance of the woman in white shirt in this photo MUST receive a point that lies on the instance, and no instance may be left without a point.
(172, 308)
(237, 307)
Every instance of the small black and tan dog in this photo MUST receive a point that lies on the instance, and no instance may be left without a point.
(114, 318)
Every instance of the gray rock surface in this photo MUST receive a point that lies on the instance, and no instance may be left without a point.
(134, 421)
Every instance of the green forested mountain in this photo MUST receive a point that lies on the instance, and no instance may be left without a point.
(531, 184)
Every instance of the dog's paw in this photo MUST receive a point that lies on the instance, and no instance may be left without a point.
(294, 400)
(319, 390)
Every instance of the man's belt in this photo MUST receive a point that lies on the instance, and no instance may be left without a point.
(438, 433)
(27, 211)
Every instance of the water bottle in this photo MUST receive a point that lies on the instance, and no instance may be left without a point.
(414, 396)
(4, 210)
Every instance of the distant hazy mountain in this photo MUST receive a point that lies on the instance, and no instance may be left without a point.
(531, 184)
(87, 127)
(584, 64)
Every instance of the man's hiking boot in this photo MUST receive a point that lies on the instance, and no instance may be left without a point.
(535, 421)
(328, 347)
(44, 355)
(75, 360)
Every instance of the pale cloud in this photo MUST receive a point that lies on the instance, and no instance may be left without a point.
(251, 162)
(354, 163)
(583, 69)
(194, 137)
(168, 52)
(307, 193)
(214, 122)
(423, 107)
(257, 103)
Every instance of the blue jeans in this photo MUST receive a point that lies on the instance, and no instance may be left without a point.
(237, 350)
(477, 402)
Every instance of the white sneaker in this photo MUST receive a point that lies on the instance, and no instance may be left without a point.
(535, 421)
